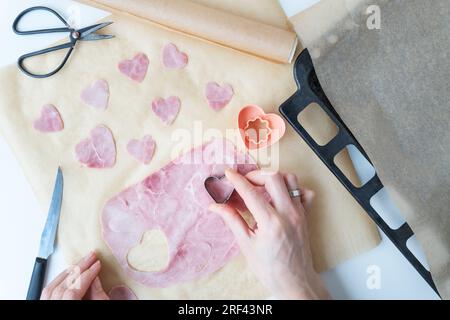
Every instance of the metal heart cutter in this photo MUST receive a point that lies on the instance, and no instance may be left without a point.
(219, 188)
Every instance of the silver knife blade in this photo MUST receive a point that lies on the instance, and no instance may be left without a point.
(47, 245)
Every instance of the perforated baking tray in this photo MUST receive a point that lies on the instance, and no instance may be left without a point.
(310, 91)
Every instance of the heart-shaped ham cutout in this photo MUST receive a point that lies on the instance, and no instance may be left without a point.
(219, 188)
(174, 58)
(142, 150)
(167, 109)
(96, 95)
(99, 150)
(258, 129)
(218, 96)
(49, 121)
(136, 68)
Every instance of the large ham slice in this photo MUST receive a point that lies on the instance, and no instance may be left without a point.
(99, 150)
(174, 200)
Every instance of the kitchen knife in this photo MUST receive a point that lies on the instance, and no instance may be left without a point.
(47, 245)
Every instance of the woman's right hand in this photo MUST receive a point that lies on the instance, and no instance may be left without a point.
(278, 249)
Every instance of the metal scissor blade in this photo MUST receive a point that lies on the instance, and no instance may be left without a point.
(95, 37)
(48, 237)
(89, 30)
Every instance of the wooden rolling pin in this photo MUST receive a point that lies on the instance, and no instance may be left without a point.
(214, 25)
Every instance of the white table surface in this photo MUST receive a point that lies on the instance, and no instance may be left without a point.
(22, 220)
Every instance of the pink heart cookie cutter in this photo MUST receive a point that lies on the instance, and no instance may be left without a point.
(259, 129)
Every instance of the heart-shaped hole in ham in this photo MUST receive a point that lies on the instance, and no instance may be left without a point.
(219, 188)
(136, 68)
(152, 254)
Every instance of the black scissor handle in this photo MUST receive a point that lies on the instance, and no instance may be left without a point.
(22, 59)
(40, 31)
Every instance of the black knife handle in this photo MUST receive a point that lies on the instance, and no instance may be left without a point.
(37, 279)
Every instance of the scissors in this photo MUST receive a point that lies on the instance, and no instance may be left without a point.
(85, 34)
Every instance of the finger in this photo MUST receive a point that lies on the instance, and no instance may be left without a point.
(48, 290)
(234, 221)
(59, 281)
(275, 186)
(96, 291)
(86, 262)
(307, 198)
(81, 285)
(255, 202)
(292, 184)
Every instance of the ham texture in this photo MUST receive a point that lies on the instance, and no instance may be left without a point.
(136, 68)
(99, 150)
(175, 201)
(173, 58)
(143, 149)
(49, 121)
(122, 293)
(218, 96)
(96, 95)
(167, 109)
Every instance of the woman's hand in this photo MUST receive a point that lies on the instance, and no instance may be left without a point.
(79, 282)
(277, 249)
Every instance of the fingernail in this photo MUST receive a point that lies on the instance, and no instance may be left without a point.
(96, 265)
(90, 256)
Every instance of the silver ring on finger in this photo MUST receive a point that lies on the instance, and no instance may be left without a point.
(297, 193)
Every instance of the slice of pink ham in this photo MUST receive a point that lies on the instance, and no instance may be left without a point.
(136, 68)
(167, 109)
(49, 121)
(174, 58)
(96, 95)
(122, 293)
(143, 149)
(218, 96)
(174, 200)
(99, 150)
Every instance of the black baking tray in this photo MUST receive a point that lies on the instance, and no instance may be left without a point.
(310, 91)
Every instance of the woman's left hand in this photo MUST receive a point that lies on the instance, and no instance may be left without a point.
(79, 282)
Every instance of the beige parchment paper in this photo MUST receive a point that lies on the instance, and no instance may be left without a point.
(391, 87)
(339, 228)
